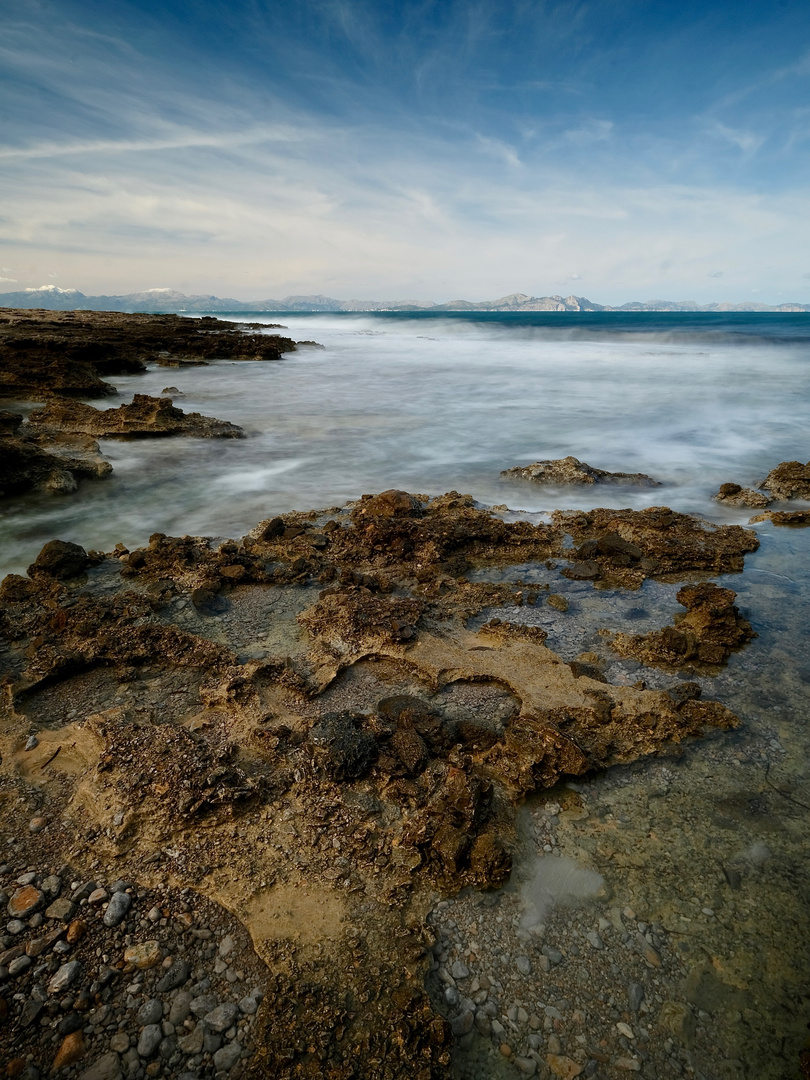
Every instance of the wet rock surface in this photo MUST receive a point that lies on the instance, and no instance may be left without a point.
(62, 356)
(144, 416)
(47, 354)
(789, 480)
(305, 727)
(710, 630)
(570, 470)
(735, 495)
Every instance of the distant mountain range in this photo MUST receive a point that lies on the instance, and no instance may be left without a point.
(53, 298)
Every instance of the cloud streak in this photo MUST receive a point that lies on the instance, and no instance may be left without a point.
(424, 149)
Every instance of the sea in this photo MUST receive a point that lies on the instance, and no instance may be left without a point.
(432, 403)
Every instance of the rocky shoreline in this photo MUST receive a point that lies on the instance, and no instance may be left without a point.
(290, 761)
(59, 357)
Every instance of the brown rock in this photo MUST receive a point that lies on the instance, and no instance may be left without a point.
(39, 945)
(388, 504)
(796, 518)
(789, 480)
(25, 902)
(735, 495)
(71, 1050)
(60, 559)
(144, 416)
(564, 1067)
(570, 470)
(76, 931)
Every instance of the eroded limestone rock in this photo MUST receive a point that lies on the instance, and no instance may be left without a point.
(707, 634)
(144, 416)
(570, 470)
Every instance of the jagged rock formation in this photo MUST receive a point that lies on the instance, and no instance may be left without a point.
(301, 725)
(710, 630)
(570, 470)
(789, 480)
(734, 495)
(28, 462)
(144, 416)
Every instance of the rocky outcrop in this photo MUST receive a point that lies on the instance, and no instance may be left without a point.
(707, 634)
(31, 463)
(144, 416)
(623, 547)
(47, 354)
(570, 470)
(796, 518)
(789, 480)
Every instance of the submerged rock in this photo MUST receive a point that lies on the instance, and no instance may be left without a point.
(570, 470)
(708, 633)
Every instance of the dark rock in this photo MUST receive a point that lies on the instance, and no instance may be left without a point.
(570, 470)
(60, 559)
(177, 975)
(351, 752)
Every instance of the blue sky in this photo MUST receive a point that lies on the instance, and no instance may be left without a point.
(616, 149)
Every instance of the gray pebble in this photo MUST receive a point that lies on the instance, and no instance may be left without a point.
(524, 965)
(459, 970)
(175, 976)
(15, 926)
(221, 1018)
(227, 1057)
(31, 743)
(594, 940)
(635, 996)
(150, 1040)
(151, 1012)
(18, 966)
(107, 1067)
(119, 905)
(526, 1065)
(211, 1042)
(120, 1042)
(249, 1005)
(65, 977)
(180, 1007)
(203, 1004)
(463, 1023)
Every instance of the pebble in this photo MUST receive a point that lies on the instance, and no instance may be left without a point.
(149, 1040)
(83, 1012)
(65, 977)
(221, 1018)
(144, 955)
(107, 1067)
(227, 1057)
(31, 743)
(119, 905)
